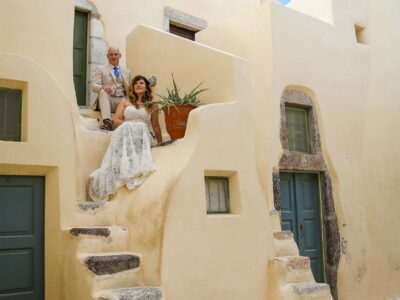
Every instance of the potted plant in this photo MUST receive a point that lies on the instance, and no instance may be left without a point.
(176, 108)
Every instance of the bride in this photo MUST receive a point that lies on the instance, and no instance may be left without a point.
(128, 158)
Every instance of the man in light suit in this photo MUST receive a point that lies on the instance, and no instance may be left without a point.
(111, 81)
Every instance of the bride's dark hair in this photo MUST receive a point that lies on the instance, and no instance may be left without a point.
(147, 97)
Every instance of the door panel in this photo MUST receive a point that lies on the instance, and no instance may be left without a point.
(288, 211)
(21, 238)
(300, 209)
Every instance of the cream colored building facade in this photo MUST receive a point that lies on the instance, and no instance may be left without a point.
(337, 59)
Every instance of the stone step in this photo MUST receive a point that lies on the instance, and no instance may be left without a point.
(110, 263)
(112, 270)
(292, 269)
(307, 291)
(91, 206)
(96, 213)
(284, 243)
(118, 280)
(99, 231)
(135, 293)
(88, 112)
(94, 239)
(91, 118)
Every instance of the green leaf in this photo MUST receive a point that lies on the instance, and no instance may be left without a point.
(173, 98)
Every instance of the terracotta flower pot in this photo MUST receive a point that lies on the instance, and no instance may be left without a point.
(176, 119)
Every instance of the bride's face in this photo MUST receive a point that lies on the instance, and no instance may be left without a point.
(139, 87)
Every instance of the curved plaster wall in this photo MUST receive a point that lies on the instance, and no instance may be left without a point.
(217, 135)
(48, 149)
(144, 210)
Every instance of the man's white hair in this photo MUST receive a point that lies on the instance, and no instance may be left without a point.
(113, 48)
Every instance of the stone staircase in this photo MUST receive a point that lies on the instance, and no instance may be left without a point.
(107, 270)
(143, 293)
(290, 274)
(91, 119)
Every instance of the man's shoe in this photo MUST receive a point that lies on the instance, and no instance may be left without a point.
(107, 125)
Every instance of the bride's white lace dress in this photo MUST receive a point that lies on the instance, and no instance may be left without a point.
(128, 158)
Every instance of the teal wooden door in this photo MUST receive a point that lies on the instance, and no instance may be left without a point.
(80, 55)
(300, 213)
(21, 238)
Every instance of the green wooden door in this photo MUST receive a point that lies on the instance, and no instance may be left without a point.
(21, 238)
(80, 55)
(300, 213)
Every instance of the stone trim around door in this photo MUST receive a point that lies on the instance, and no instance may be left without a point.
(311, 162)
(97, 47)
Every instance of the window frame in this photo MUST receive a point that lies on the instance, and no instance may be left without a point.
(182, 31)
(182, 20)
(307, 128)
(18, 116)
(225, 180)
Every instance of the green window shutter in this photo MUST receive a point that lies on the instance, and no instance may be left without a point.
(297, 127)
(217, 194)
(80, 55)
(10, 114)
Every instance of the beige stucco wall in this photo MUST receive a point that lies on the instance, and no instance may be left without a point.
(153, 213)
(232, 248)
(59, 146)
(320, 9)
(233, 36)
(35, 37)
(381, 148)
(354, 90)
(36, 57)
(120, 18)
(175, 238)
(341, 74)
(47, 151)
(50, 47)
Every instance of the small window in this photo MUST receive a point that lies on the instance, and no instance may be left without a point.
(182, 31)
(297, 127)
(182, 24)
(10, 114)
(217, 194)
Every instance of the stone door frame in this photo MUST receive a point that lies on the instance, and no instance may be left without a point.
(97, 47)
(311, 162)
